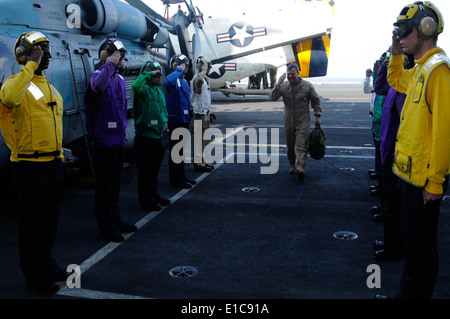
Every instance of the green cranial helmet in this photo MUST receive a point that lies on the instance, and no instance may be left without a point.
(150, 66)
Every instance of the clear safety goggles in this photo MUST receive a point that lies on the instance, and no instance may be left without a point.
(403, 28)
(46, 48)
(43, 42)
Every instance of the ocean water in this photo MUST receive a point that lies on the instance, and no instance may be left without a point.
(325, 79)
(317, 80)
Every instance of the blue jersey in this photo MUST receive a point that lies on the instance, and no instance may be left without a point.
(178, 97)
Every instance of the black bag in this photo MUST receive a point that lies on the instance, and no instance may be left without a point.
(317, 143)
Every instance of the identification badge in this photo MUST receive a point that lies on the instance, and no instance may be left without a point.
(186, 112)
(112, 124)
(154, 122)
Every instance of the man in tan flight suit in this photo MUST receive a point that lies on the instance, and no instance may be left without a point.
(297, 93)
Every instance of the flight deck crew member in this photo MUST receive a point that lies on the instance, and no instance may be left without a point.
(105, 107)
(422, 150)
(150, 118)
(297, 94)
(201, 109)
(391, 247)
(31, 124)
(178, 102)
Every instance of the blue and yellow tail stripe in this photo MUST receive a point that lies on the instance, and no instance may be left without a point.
(312, 55)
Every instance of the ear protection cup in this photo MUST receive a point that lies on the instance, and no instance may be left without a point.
(201, 60)
(21, 52)
(173, 64)
(427, 27)
(199, 66)
(103, 50)
(21, 55)
(104, 55)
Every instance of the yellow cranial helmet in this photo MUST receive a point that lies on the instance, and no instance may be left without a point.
(25, 43)
(423, 15)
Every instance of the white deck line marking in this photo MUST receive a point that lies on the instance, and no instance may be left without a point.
(110, 247)
(95, 294)
(334, 156)
(284, 146)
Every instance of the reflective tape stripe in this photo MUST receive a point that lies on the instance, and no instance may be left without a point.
(35, 91)
(35, 36)
(436, 59)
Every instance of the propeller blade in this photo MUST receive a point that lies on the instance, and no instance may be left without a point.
(182, 40)
(209, 43)
(197, 45)
(200, 15)
(189, 7)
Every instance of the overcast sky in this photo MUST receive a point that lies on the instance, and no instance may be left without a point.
(361, 33)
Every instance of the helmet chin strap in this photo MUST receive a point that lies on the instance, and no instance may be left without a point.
(419, 45)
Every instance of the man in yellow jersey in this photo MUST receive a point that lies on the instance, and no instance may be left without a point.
(31, 123)
(422, 150)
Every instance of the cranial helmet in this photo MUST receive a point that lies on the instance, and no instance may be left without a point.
(25, 43)
(177, 60)
(109, 46)
(425, 16)
(150, 66)
(201, 60)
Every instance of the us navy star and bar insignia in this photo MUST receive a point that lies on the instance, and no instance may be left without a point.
(218, 70)
(241, 34)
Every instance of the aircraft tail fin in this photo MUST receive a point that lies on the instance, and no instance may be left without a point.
(312, 56)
